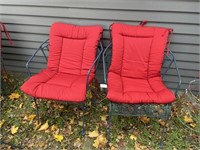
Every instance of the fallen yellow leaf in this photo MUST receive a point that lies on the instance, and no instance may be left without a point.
(120, 136)
(140, 147)
(20, 106)
(133, 137)
(14, 129)
(94, 133)
(193, 125)
(1, 98)
(37, 125)
(145, 119)
(33, 105)
(31, 145)
(80, 123)
(112, 148)
(174, 148)
(162, 123)
(29, 117)
(58, 137)
(100, 141)
(105, 108)
(13, 96)
(44, 126)
(2, 122)
(188, 119)
(69, 129)
(54, 127)
(78, 143)
(89, 95)
(71, 120)
(103, 118)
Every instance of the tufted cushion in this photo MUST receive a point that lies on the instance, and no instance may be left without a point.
(72, 52)
(135, 72)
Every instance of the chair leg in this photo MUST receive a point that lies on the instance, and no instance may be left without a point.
(95, 92)
(37, 109)
(163, 136)
(83, 119)
(109, 124)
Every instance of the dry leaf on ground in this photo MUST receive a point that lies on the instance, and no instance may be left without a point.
(133, 137)
(54, 128)
(80, 123)
(145, 119)
(187, 119)
(94, 133)
(103, 117)
(71, 120)
(100, 141)
(44, 126)
(14, 129)
(193, 125)
(13, 96)
(58, 137)
(78, 143)
(29, 117)
(162, 123)
(2, 122)
(20, 105)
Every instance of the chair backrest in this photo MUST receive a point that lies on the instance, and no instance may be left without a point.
(73, 48)
(138, 51)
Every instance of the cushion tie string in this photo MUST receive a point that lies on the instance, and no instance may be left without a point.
(143, 23)
(3, 28)
(169, 41)
(110, 29)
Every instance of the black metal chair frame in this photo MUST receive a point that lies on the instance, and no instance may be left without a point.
(45, 46)
(149, 110)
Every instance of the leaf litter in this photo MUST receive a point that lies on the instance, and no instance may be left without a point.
(19, 126)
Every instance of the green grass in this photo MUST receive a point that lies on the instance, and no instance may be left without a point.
(28, 136)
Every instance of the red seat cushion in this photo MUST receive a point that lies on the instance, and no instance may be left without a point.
(57, 86)
(135, 72)
(72, 52)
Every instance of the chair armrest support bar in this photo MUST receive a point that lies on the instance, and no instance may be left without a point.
(41, 47)
(178, 74)
(104, 63)
(173, 60)
(94, 64)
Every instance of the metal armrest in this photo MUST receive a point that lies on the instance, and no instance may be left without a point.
(104, 63)
(173, 61)
(94, 64)
(44, 45)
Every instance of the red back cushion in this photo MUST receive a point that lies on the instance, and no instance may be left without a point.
(138, 51)
(73, 48)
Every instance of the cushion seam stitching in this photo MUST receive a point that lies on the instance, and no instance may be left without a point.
(82, 57)
(148, 62)
(60, 56)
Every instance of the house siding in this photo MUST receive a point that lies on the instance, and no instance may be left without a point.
(28, 22)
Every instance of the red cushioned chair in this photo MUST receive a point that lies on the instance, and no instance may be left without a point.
(71, 64)
(134, 80)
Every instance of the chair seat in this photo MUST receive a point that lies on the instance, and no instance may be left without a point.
(57, 86)
(131, 90)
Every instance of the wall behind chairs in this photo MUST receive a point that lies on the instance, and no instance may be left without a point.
(29, 20)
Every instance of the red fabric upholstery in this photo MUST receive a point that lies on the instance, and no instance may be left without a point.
(135, 72)
(72, 52)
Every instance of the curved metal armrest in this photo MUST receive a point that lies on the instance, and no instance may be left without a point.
(94, 64)
(104, 63)
(173, 60)
(45, 44)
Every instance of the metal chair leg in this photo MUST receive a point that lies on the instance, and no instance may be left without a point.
(109, 123)
(83, 120)
(163, 136)
(37, 109)
(95, 92)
